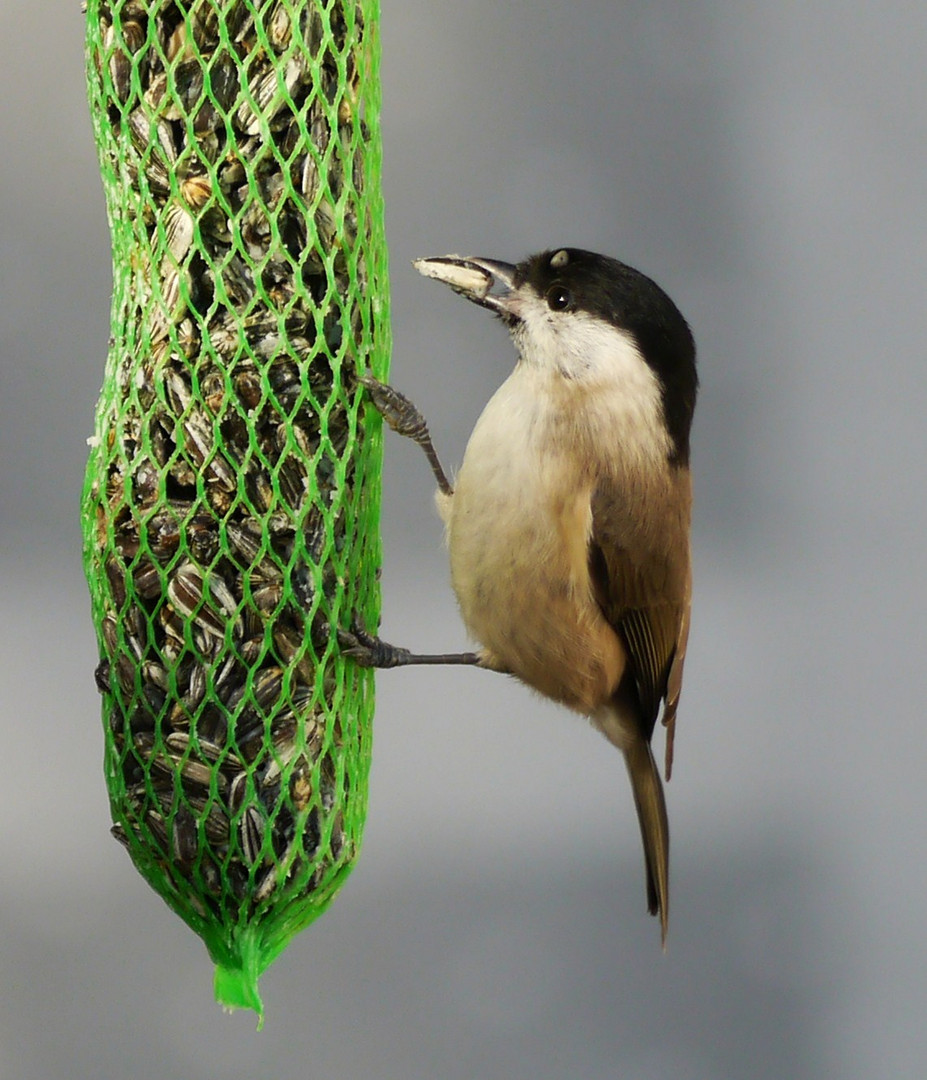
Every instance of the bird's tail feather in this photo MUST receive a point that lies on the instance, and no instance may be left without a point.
(651, 813)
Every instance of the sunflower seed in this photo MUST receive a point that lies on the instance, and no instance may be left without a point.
(251, 829)
(183, 837)
(178, 232)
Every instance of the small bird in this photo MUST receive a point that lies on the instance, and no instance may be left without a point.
(568, 523)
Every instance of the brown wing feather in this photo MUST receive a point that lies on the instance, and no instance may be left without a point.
(643, 584)
(674, 680)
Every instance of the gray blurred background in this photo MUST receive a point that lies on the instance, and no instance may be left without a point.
(767, 164)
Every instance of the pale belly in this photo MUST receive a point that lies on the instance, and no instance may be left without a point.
(518, 551)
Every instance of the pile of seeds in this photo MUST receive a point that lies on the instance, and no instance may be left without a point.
(224, 466)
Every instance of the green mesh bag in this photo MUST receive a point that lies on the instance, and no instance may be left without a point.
(232, 496)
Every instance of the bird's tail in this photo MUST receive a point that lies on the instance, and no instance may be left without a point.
(651, 813)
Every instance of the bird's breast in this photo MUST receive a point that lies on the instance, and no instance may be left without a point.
(518, 529)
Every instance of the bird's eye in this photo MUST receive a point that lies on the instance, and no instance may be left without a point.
(559, 298)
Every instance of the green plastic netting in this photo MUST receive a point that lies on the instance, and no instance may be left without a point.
(231, 505)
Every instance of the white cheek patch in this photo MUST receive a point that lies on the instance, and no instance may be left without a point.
(583, 350)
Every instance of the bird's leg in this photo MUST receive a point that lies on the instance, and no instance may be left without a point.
(366, 649)
(403, 417)
(369, 651)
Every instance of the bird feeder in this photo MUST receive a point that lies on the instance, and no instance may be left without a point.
(231, 504)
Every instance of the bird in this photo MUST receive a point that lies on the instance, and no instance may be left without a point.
(568, 521)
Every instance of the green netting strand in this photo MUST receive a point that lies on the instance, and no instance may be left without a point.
(232, 496)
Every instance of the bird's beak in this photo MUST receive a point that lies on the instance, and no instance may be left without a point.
(484, 281)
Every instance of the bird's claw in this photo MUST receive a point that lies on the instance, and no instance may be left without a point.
(369, 651)
(395, 408)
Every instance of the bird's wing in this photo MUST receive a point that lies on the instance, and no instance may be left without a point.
(674, 679)
(644, 594)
